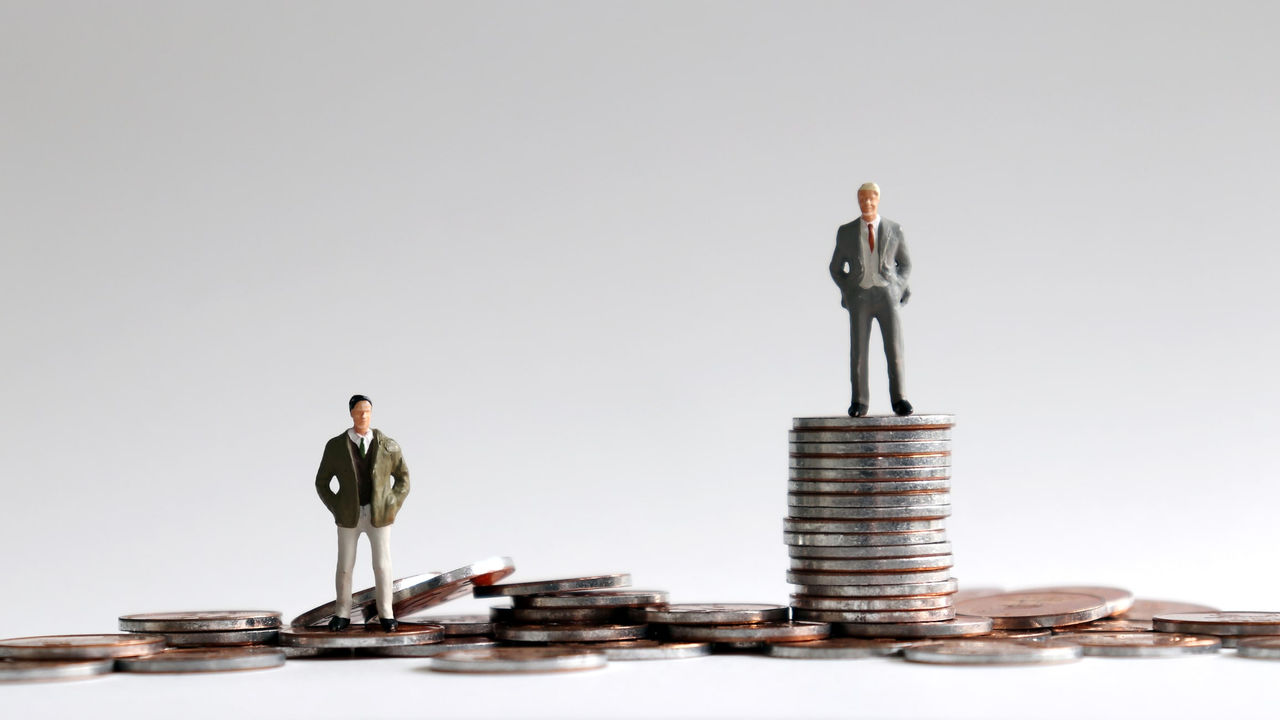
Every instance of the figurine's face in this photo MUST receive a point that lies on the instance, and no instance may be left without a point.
(361, 416)
(868, 202)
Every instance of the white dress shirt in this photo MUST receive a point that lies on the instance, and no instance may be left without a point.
(871, 276)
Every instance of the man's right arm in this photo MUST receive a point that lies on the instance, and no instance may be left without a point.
(839, 259)
(323, 476)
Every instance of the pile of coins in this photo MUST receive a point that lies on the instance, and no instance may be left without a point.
(865, 530)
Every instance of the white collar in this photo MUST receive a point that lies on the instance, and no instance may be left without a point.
(355, 436)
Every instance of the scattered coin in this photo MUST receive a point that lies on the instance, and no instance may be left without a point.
(921, 602)
(1032, 609)
(648, 649)
(876, 616)
(870, 539)
(357, 636)
(541, 587)
(1218, 623)
(878, 591)
(190, 660)
(961, 626)
(1118, 600)
(843, 648)
(717, 614)
(517, 660)
(229, 638)
(924, 562)
(41, 670)
(1261, 648)
(869, 551)
(449, 644)
(893, 500)
(921, 512)
(596, 599)
(1144, 609)
(874, 422)
(80, 647)
(465, 625)
(568, 633)
(850, 578)
(994, 652)
(757, 633)
(200, 621)
(1130, 644)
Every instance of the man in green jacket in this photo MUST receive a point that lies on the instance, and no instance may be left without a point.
(365, 461)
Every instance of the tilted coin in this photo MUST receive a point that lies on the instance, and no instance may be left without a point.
(757, 633)
(596, 599)
(868, 449)
(449, 644)
(568, 633)
(1033, 610)
(266, 636)
(1145, 609)
(869, 552)
(554, 586)
(1219, 623)
(878, 591)
(1261, 648)
(873, 475)
(843, 648)
(185, 660)
(922, 602)
(577, 616)
(961, 626)
(939, 421)
(815, 577)
(994, 652)
(453, 625)
(41, 670)
(924, 562)
(648, 649)
(1024, 634)
(1129, 644)
(861, 526)
(894, 500)
(1118, 600)
(517, 660)
(923, 460)
(876, 616)
(200, 621)
(717, 614)
(874, 539)
(1110, 625)
(357, 636)
(80, 647)
(919, 512)
(818, 435)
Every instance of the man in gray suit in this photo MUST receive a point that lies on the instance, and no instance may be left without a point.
(870, 266)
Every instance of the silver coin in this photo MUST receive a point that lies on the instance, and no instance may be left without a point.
(758, 633)
(517, 660)
(901, 500)
(1128, 644)
(836, 463)
(854, 424)
(821, 436)
(961, 626)
(717, 614)
(926, 562)
(649, 649)
(1261, 648)
(311, 653)
(568, 633)
(869, 551)
(1232, 642)
(869, 449)
(268, 636)
(878, 591)
(41, 670)
(876, 616)
(577, 616)
(868, 490)
(185, 660)
(834, 649)
(875, 539)
(866, 475)
(921, 512)
(994, 652)
(357, 636)
(449, 644)
(922, 602)
(455, 625)
(1118, 600)
(796, 577)
(540, 587)
(598, 599)
(80, 647)
(861, 526)
(1219, 623)
(200, 621)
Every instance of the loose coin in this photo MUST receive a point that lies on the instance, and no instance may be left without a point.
(898, 500)
(762, 632)
(925, 562)
(876, 616)
(875, 539)
(568, 633)
(877, 513)
(1032, 610)
(869, 449)
(517, 660)
(867, 552)
(994, 652)
(861, 526)
(266, 636)
(1129, 644)
(1144, 609)
(869, 488)
(193, 660)
(597, 599)
(647, 649)
(1110, 625)
(717, 614)
(200, 621)
(465, 625)
(1218, 623)
(357, 636)
(820, 436)
(866, 578)
(961, 626)
(1027, 634)
(870, 422)
(40, 670)
(1118, 600)
(878, 591)
(449, 644)
(923, 602)
(540, 587)
(833, 463)
(576, 616)
(843, 648)
(80, 647)
(907, 476)
(1262, 648)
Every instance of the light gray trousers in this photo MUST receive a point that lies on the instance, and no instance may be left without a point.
(879, 304)
(380, 543)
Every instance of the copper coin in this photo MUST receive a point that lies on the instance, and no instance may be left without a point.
(1033, 610)
(1118, 600)
(961, 626)
(1111, 625)
(968, 593)
(595, 599)
(200, 621)
(1128, 644)
(761, 632)
(717, 614)
(1144, 609)
(1219, 623)
(568, 633)
(184, 660)
(1027, 634)
(80, 647)
(540, 587)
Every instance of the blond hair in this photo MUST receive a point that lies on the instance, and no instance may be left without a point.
(869, 187)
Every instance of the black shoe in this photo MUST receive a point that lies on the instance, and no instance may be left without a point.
(389, 625)
(858, 410)
(902, 408)
(337, 624)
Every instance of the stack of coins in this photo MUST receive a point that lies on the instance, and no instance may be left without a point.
(207, 628)
(570, 610)
(748, 627)
(868, 498)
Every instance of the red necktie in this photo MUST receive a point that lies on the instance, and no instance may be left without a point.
(871, 236)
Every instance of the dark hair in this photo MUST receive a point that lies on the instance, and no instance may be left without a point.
(351, 404)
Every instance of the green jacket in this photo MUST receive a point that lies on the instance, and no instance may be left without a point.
(388, 462)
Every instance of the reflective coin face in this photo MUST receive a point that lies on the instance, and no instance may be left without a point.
(1220, 623)
(554, 586)
(961, 626)
(1124, 644)
(597, 598)
(717, 613)
(568, 633)
(517, 660)
(1262, 648)
(202, 620)
(358, 636)
(1118, 600)
(43, 670)
(873, 422)
(454, 624)
(761, 632)
(646, 649)
(178, 660)
(994, 652)
(843, 648)
(449, 644)
(80, 647)
(1034, 609)
(221, 638)
(1111, 625)
(1145, 609)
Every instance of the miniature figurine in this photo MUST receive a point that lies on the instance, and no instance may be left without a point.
(870, 266)
(365, 461)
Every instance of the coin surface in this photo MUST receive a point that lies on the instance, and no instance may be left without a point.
(895, 500)
(1217, 623)
(717, 614)
(1033, 609)
(1110, 625)
(922, 460)
(648, 649)
(1145, 609)
(185, 660)
(815, 577)
(842, 648)
(596, 599)
(517, 660)
(866, 552)
(923, 602)
(876, 616)
(265, 636)
(568, 633)
(969, 593)
(923, 512)
(878, 591)
(1026, 634)
(861, 526)
(860, 424)
(994, 652)
(924, 562)
(200, 621)
(961, 626)
(357, 636)
(818, 435)
(1130, 644)
(80, 647)
(1118, 600)
(1261, 648)
(465, 625)
(449, 644)
(755, 633)
(911, 478)
(554, 586)
(869, 449)
(876, 539)
(578, 616)
(42, 670)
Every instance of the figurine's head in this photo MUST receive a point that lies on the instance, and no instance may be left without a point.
(869, 200)
(361, 413)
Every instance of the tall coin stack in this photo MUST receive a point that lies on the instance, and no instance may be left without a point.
(868, 498)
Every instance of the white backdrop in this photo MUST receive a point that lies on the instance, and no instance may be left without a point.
(576, 252)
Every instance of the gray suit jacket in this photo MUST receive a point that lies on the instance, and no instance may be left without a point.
(891, 248)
